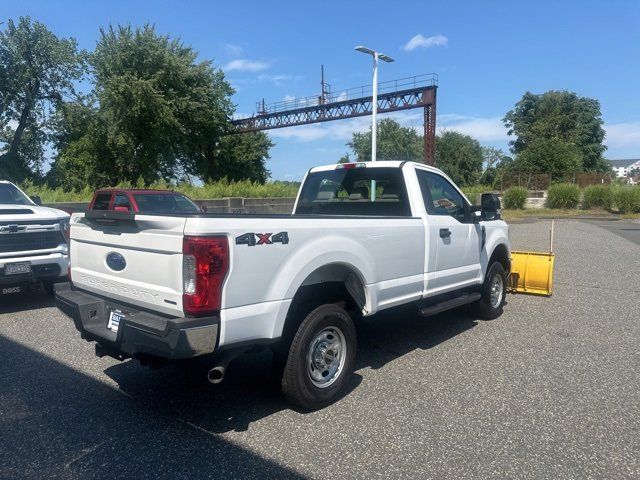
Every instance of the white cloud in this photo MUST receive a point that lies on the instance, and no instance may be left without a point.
(342, 97)
(483, 129)
(238, 115)
(12, 124)
(420, 41)
(335, 130)
(623, 135)
(243, 65)
(277, 79)
(233, 50)
(288, 97)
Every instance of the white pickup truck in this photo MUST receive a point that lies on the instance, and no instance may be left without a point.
(363, 237)
(33, 243)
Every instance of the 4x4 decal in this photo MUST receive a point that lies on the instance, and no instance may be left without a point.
(253, 239)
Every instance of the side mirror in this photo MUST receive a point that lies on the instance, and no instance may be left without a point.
(36, 199)
(203, 207)
(490, 206)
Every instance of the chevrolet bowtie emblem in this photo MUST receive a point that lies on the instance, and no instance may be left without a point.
(12, 228)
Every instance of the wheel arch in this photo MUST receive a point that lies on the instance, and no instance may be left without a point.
(334, 282)
(501, 254)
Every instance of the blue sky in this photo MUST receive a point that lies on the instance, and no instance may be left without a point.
(485, 53)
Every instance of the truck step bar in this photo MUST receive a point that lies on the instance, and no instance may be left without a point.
(449, 304)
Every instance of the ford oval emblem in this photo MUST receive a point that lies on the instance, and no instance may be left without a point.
(116, 262)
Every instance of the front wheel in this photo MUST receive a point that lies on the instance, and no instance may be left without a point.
(493, 291)
(321, 358)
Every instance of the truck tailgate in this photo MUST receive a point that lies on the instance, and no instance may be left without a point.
(136, 261)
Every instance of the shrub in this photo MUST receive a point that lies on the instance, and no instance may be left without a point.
(627, 199)
(597, 196)
(563, 195)
(515, 198)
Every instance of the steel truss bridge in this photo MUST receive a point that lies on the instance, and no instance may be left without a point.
(403, 94)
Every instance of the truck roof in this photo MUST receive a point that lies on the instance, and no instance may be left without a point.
(377, 164)
(137, 191)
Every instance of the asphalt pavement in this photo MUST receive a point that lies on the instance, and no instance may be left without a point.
(549, 390)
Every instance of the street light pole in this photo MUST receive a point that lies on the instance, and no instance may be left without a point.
(374, 108)
(374, 111)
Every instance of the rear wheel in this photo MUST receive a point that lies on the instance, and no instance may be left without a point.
(321, 358)
(493, 291)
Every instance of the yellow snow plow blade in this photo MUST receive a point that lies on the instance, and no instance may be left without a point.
(532, 272)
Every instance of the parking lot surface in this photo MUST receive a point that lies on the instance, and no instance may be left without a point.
(549, 390)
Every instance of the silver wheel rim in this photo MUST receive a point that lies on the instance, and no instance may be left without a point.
(326, 357)
(497, 290)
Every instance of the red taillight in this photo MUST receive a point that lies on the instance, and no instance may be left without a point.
(204, 267)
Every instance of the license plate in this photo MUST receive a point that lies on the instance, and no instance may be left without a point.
(114, 320)
(17, 268)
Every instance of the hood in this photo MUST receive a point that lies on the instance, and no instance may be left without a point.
(17, 213)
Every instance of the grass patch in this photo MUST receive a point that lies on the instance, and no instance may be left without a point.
(511, 215)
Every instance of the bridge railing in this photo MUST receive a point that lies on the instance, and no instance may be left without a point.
(349, 94)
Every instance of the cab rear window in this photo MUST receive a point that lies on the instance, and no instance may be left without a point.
(165, 203)
(102, 201)
(355, 191)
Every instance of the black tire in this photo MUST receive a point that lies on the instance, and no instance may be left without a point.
(483, 308)
(298, 383)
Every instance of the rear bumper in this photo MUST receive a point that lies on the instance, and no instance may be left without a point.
(140, 334)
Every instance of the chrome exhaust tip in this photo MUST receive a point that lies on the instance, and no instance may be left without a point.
(216, 375)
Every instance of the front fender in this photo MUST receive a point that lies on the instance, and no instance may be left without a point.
(497, 233)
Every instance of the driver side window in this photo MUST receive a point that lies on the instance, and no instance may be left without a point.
(440, 196)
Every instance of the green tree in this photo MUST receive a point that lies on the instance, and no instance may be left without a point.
(493, 157)
(551, 155)
(345, 158)
(81, 140)
(459, 156)
(239, 157)
(37, 74)
(394, 142)
(155, 114)
(561, 116)
(495, 162)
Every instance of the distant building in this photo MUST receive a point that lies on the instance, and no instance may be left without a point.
(623, 167)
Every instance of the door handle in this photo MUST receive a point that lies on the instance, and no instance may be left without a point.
(445, 232)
